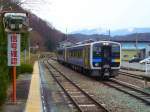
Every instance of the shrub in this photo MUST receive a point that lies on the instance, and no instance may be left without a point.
(25, 68)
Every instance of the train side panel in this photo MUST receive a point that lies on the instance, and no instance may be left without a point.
(79, 56)
(75, 56)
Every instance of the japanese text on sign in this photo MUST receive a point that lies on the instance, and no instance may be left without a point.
(13, 49)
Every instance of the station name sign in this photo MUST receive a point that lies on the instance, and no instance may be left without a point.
(13, 50)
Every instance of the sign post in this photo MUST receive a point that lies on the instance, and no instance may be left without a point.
(13, 58)
(14, 85)
(14, 23)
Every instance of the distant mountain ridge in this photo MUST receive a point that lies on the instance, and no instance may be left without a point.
(119, 32)
(141, 37)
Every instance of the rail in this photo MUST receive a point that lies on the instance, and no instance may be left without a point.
(80, 98)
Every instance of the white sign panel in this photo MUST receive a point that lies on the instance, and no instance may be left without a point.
(13, 51)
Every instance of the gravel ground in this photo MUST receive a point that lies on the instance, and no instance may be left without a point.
(134, 81)
(114, 100)
(131, 80)
(23, 84)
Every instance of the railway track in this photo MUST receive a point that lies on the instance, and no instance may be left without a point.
(130, 75)
(79, 97)
(129, 89)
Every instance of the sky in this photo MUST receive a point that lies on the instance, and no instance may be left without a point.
(89, 14)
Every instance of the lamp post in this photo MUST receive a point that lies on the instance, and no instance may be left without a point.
(66, 35)
(109, 34)
(136, 45)
(29, 30)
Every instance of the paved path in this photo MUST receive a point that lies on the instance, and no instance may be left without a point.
(136, 66)
(34, 103)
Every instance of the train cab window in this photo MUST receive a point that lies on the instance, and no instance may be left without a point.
(78, 54)
(97, 50)
(115, 51)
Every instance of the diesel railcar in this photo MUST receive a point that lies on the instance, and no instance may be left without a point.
(101, 58)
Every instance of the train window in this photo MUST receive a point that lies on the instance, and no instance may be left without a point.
(115, 54)
(72, 54)
(76, 53)
(115, 51)
(97, 48)
(115, 48)
(97, 51)
(80, 53)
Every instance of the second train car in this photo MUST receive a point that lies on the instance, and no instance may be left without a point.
(101, 58)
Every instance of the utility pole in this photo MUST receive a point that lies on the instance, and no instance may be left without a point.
(29, 48)
(66, 35)
(109, 35)
(136, 44)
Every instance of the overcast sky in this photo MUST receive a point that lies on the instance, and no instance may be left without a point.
(88, 14)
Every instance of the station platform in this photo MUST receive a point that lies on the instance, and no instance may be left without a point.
(34, 103)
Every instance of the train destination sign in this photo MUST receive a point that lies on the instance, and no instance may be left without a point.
(13, 51)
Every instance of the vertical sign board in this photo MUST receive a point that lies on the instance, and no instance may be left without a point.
(13, 49)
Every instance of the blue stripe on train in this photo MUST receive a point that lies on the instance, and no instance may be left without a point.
(97, 60)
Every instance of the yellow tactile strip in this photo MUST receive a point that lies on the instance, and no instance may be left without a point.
(34, 103)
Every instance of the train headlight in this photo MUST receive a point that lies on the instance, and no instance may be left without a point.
(96, 64)
(106, 43)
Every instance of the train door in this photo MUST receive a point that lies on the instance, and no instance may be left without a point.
(65, 54)
(106, 63)
(86, 56)
(106, 55)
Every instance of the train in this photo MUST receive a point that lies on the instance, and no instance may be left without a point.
(101, 58)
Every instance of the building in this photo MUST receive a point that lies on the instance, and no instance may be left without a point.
(132, 49)
(128, 54)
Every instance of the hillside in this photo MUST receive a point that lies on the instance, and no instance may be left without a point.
(48, 36)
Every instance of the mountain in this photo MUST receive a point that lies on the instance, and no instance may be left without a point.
(118, 32)
(130, 31)
(90, 31)
(141, 37)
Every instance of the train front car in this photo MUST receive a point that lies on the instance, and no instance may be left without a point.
(106, 58)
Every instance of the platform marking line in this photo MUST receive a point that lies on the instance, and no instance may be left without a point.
(34, 103)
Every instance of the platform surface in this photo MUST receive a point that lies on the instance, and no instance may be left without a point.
(34, 103)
